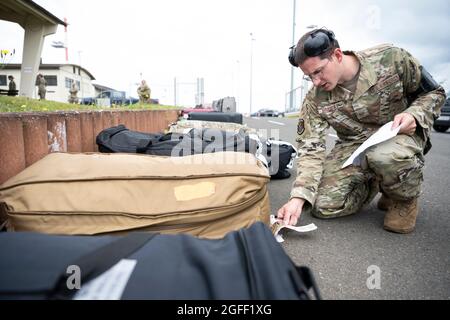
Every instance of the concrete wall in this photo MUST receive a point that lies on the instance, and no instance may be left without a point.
(27, 137)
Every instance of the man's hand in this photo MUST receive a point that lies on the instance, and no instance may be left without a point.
(291, 211)
(407, 122)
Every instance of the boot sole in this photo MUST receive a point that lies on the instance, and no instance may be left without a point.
(402, 231)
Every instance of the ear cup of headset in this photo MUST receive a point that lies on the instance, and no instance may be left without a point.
(292, 56)
(328, 33)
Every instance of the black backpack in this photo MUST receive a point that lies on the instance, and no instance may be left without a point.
(245, 264)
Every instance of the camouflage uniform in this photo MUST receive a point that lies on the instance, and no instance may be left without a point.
(12, 86)
(387, 76)
(42, 87)
(73, 93)
(144, 92)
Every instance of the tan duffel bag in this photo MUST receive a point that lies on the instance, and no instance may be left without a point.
(206, 195)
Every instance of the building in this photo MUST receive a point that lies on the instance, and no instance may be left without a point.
(59, 79)
(99, 89)
(37, 23)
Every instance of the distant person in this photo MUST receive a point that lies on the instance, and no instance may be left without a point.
(73, 98)
(356, 93)
(12, 86)
(42, 84)
(144, 92)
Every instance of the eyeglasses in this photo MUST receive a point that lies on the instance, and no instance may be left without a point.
(318, 73)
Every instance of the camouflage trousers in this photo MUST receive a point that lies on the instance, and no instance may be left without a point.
(394, 167)
(42, 94)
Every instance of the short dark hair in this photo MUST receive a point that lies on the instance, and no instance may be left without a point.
(10, 77)
(300, 55)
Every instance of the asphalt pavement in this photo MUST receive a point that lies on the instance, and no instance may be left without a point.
(354, 257)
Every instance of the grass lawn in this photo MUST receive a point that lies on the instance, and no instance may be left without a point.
(22, 104)
(292, 116)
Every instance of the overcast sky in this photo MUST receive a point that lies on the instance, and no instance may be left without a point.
(117, 41)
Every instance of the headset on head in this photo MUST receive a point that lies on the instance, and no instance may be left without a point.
(331, 38)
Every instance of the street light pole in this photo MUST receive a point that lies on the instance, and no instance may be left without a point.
(291, 94)
(238, 86)
(251, 71)
(175, 91)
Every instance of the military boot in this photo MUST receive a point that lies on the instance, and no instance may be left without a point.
(384, 203)
(401, 216)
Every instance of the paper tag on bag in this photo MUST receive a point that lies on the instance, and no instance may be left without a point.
(278, 224)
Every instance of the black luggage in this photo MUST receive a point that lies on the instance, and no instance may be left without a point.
(197, 141)
(245, 264)
(234, 117)
(121, 139)
(279, 155)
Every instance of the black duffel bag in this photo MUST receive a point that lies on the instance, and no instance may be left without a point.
(278, 154)
(245, 264)
(121, 139)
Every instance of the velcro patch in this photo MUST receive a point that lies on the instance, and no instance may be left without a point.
(194, 191)
(387, 82)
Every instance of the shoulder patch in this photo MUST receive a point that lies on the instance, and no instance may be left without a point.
(374, 50)
(300, 126)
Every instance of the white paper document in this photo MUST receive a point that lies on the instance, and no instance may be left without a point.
(382, 134)
(278, 224)
(109, 285)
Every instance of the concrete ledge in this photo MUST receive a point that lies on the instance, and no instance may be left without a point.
(27, 137)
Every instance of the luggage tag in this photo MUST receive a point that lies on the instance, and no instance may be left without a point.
(278, 224)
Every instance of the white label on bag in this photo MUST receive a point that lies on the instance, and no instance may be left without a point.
(280, 225)
(109, 285)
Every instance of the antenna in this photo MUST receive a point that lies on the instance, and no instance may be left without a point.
(65, 40)
(63, 45)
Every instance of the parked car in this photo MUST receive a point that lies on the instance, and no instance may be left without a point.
(115, 97)
(443, 122)
(270, 113)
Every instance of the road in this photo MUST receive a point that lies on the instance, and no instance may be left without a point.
(342, 252)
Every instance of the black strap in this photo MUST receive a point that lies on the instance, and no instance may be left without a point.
(143, 145)
(308, 280)
(97, 262)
